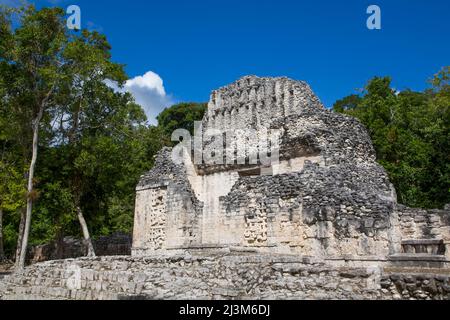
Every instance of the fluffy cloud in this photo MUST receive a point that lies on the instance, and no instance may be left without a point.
(149, 92)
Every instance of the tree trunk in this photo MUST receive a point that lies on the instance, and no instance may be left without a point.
(30, 189)
(86, 236)
(20, 235)
(76, 184)
(59, 245)
(2, 251)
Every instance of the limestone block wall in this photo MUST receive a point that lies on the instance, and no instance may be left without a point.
(339, 139)
(424, 224)
(309, 213)
(167, 212)
(421, 225)
(254, 102)
(212, 188)
(150, 224)
(217, 276)
(208, 189)
(184, 219)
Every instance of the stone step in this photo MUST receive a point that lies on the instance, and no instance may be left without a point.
(423, 242)
(419, 260)
(417, 257)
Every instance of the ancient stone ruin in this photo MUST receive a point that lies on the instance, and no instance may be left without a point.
(275, 197)
(324, 196)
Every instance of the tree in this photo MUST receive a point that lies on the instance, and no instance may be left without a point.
(181, 116)
(348, 103)
(36, 52)
(60, 77)
(87, 62)
(410, 132)
(438, 132)
(104, 155)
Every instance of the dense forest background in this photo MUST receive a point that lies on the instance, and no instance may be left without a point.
(73, 149)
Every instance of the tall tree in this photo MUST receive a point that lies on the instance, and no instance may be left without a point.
(88, 65)
(410, 132)
(36, 52)
(59, 79)
(28, 68)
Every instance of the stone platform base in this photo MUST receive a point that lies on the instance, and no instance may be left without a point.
(220, 276)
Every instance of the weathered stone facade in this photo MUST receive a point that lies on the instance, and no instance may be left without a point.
(326, 196)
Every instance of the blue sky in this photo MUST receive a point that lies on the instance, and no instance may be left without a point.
(193, 47)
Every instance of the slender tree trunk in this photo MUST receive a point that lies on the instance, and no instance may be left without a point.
(59, 245)
(20, 235)
(30, 189)
(86, 236)
(2, 251)
(76, 184)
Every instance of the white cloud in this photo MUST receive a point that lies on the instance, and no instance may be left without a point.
(149, 92)
(149, 81)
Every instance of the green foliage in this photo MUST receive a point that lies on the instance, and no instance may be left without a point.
(410, 132)
(348, 103)
(181, 116)
(94, 144)
(12, 191)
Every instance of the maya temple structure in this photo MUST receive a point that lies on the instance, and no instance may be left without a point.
(323, 195)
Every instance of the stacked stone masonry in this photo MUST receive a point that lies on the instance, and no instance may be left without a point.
(217, 276)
